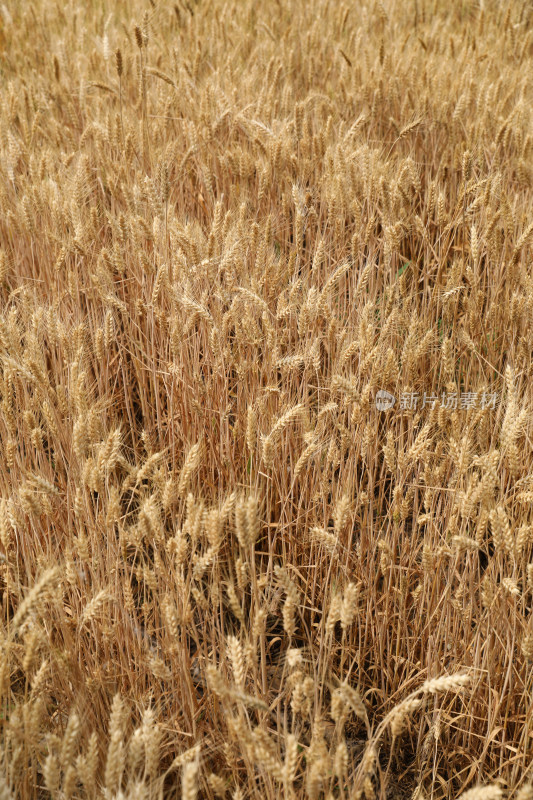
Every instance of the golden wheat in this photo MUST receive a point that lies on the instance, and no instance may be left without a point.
(265, 398)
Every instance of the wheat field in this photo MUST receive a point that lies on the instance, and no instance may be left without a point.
(266, 473)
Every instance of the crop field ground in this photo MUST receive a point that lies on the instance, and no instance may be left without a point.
(266, 335)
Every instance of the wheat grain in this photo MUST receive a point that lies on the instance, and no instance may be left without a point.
(189, 782)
